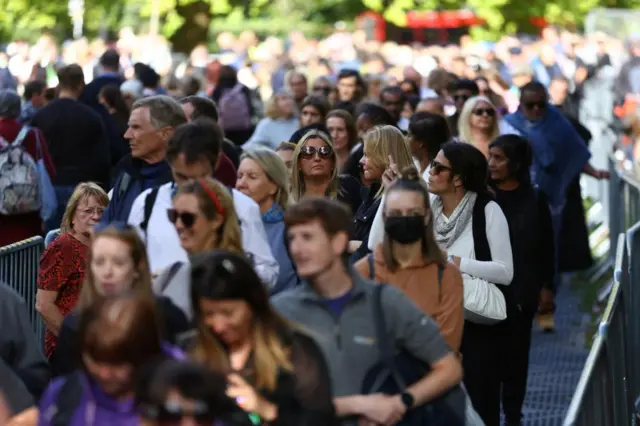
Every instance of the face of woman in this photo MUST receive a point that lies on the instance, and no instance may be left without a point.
(112, 266)
(441, 180)
(404, 203)
(312, 163)
(285, 104)
(88, 213)
(287, 157)
(194, 229)
(372, 172)
(498, 164)
(338, 131)
(309, 115)
(483, 116)
(229, 320)
(115, 380)
(254, 182)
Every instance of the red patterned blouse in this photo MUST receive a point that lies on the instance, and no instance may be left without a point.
(62, 268)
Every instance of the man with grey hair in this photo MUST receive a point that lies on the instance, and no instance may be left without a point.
(151, 123)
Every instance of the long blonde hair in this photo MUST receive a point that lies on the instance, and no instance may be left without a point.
(383, 141)
(141, 284)
(297, 180)
(464, 123)
(275, 169)
(214, 199)
(83, 191)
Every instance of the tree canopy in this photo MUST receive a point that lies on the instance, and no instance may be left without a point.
(189, 22)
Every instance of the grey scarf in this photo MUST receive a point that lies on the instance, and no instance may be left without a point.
(448, 230)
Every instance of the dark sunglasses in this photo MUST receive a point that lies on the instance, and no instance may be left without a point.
(172, 413)
(310, 151)
(532, 105)
(484, 111)
(325, 90)
(437, 168)
(187, 218)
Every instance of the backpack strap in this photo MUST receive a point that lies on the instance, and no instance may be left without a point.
(67, 400)
(440, 275)
(372, 267)
(149, 202)
(173, 270)
(21, 136)
(125, 182)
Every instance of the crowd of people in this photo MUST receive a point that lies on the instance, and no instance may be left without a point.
(364, 249)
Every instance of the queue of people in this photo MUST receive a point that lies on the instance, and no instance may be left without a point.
(232, 273)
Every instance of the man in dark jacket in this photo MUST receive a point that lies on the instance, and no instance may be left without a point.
(19, 350)
(151, 123)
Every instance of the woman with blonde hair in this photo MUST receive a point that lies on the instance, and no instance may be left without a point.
(314, 171)
(62, 265)
(276, 374)
(263, 176)
(479, 123)
(205, 219)
(279, 123)
(117, 265)
(385, 150)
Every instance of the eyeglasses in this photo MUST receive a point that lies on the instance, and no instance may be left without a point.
(484, 111)
(437, 168)
(532, 105)
(92, 212)
(187, 218)
(310, 151)
(172, 413)
(325, 90)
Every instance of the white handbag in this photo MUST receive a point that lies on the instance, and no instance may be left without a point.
(483, 302)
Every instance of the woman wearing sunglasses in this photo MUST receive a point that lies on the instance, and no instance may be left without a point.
(474, 231)
(117, 264)
(205, 219)
(182, 393)
(276, 374)
(479, 123)
(314, 172)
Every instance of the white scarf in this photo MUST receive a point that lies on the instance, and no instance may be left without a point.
(448, 230)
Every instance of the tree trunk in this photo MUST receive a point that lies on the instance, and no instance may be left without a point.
(195, 28)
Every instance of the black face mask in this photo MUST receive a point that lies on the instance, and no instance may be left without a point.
(405, 229)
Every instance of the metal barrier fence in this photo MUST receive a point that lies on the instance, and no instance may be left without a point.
(19, 265)
(610, 381)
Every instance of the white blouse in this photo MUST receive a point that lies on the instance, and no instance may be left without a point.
(500, 269)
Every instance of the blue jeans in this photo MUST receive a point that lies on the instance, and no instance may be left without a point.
(63, 194)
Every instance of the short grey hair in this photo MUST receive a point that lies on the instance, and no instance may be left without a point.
(10, 104)
(164, 111)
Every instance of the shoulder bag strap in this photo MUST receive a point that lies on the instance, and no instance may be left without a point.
(173, 270)
(440, 275)
(372, 267)
(383, 342)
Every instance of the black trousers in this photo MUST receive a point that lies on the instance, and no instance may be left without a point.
(515, 364)
(481, 357)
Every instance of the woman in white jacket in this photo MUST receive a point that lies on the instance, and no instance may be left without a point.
(474, 232)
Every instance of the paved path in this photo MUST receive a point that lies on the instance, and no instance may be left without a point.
(556, 362)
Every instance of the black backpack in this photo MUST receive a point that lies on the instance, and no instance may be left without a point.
(395, 372)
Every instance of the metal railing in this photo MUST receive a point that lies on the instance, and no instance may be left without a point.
(610, 379)
(19, 266)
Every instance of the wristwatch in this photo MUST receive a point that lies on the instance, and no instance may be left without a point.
(407, 399)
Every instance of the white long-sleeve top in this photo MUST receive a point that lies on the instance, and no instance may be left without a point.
(500, 269)
(163, 243)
